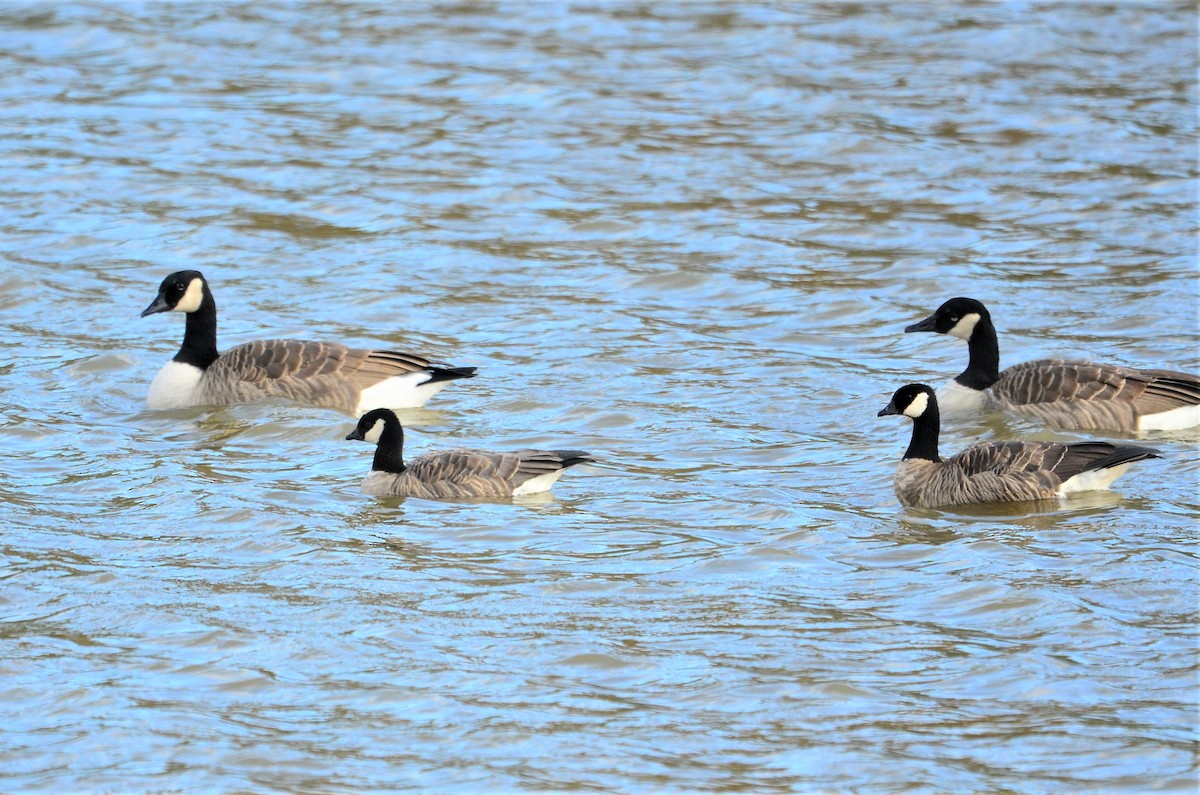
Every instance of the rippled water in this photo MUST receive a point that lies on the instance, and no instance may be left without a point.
(683, 236)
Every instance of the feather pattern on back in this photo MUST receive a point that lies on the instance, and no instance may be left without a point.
(1089, 396)
(315, 373)
(470, 474)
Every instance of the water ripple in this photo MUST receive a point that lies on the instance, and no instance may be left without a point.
(684, 237)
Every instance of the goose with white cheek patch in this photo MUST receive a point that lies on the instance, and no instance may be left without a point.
(1063, 394)
(325, 374)
(997, 471)
(455, 474)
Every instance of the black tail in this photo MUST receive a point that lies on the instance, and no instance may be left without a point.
(438, 372)
(1087, 456)
(1184, 389)
(1123, 455)
(572, 457)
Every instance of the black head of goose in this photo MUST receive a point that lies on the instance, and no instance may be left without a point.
(325, 374)
(1061, 393)
(997, 471)
(455, 474)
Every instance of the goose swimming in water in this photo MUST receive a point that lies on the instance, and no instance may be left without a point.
(1064, 394)
(455, 474)
(997, 471)
(325, 374)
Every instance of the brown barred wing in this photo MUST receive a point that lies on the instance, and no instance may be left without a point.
(314, 373)
(480, 474)
(1007, 471)
(464, 474)
(1068, 394)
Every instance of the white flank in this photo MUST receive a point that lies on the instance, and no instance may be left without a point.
(175, 386)
(1092, 480)
(954, 398)
(192, 298)
(965, 325)
(1173, 420)
(408, 391)
(539, 484)
(918, 405)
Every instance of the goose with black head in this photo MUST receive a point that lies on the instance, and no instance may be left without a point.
(351, 380)
(997, 471)
(455, 474)
(1061, 393)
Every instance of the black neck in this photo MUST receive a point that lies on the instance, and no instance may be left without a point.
(199, 347)
(389, 453)
(983, 369)
(924, 443)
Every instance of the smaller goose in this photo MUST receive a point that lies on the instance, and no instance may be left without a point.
(1061, 393)
(455, 474)
(325, 374)
(997, 471)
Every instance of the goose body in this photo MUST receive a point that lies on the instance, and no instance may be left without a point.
(327, 374)
(997, 471)
(455, 474)
(1058, 392)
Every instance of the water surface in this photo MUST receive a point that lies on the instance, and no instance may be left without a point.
(685, 237)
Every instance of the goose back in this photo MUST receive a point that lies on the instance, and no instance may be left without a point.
(1090, 396)
(464, 474)
(315, 373)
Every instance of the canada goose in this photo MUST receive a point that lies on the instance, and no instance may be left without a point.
(455, 474)
(997, 471)
(1061, 393)
(314, 373)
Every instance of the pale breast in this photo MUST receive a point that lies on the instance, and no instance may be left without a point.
(954, 398)
(175, 386)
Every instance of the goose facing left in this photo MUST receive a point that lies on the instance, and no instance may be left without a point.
(326, 374)
(455, 474)
(1065, 394)
(997, 471)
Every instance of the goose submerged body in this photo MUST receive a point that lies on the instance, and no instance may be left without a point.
(1061, 393)
(455, 474)
(997, 471)
(323, 374)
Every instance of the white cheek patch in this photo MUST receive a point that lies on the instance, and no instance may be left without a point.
(192, 298)
(965, 326)
(376, 431)
(918, 406)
